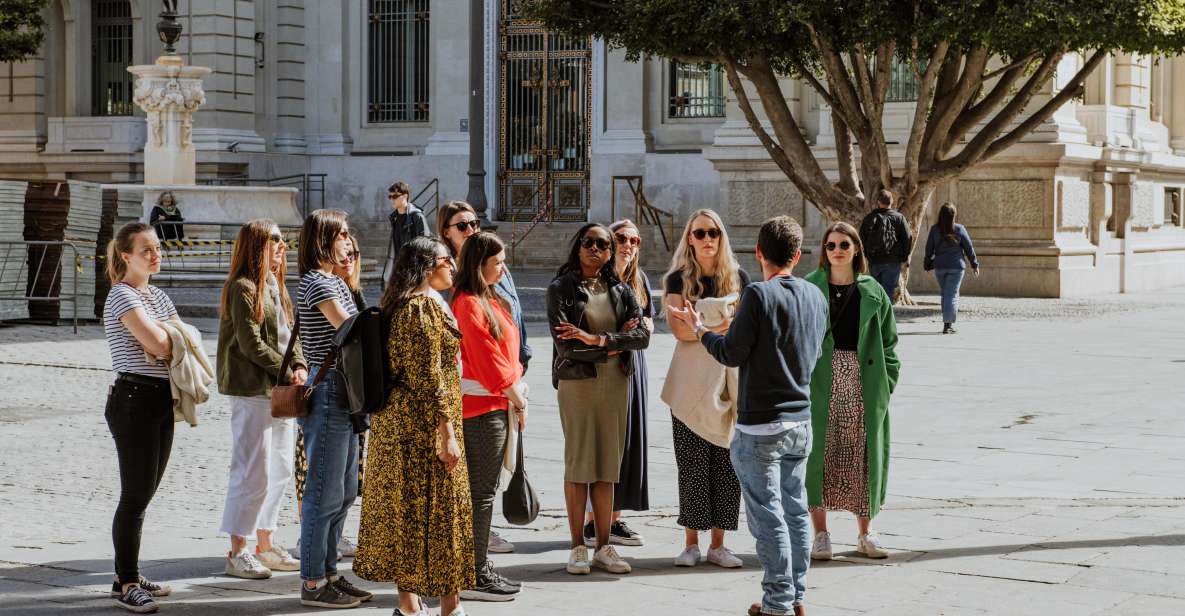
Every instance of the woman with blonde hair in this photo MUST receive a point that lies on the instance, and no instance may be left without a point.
(704, 275)
(253, 334)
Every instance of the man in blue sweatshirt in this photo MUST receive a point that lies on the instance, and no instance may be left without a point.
(775, 338)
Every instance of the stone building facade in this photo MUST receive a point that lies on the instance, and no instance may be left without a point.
(372, 91)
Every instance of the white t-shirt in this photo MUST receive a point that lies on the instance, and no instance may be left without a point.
(127, 354)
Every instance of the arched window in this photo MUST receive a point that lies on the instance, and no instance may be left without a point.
(111, 55)
(397, 61)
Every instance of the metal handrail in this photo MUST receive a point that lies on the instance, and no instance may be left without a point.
(27, 296)
(538, 216)
(435, 198)
(644, 212)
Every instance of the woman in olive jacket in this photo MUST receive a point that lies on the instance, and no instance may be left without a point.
(850, 388)
(253, 333)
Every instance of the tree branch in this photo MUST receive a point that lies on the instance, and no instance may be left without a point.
(974, 114)
(845, 155)
(926, 89)
(1021, 63)
(962, 94)
(841, 85)
(818, 87)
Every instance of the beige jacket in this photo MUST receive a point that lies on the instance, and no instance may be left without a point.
(190, 373)
(702, 393)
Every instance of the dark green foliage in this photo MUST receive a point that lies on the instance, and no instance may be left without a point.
(22, 29)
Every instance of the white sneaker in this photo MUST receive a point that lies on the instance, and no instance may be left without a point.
(498, 545)
(345, 547)
(869, 545)
(460, 611)
(689, 558)
(278, 559)
(607, 558)
(724, 557)
(245, 565)
(578, 561)
(821, 548)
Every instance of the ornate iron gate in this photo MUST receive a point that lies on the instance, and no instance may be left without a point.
(545, 121)
(111, 55)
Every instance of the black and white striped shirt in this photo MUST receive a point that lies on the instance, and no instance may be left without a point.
(127, 354)
(316, 332)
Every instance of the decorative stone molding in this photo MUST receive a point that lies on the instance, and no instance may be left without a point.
(159, 97)
(1003, 203)
(169, 93)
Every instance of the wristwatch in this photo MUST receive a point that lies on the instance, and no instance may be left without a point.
(700, 330)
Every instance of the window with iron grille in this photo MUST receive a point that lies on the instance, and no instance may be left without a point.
(903, 85)
(111, 55)
(695, 91)
(397, 70)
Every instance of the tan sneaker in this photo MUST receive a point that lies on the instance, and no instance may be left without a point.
(578, 561)
(278, 559)
(607, 558)
(869, 545)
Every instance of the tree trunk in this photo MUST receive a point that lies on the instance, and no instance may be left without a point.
(913, 208)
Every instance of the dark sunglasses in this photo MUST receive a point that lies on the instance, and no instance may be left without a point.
(461, 226)
(446, 260)
(353, 256)
(394, 195)
(700, 234)
(277, 238)
(844, 245)
(632, 240)
(600, 242)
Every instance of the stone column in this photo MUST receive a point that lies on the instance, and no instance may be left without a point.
(289, 51)
(1176, 106)
(327, 104)
(169, 94)
(624, 107)
(221, 35)
(450, 84)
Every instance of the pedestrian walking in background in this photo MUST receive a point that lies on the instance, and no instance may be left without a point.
(946, 247)
(887, 241)
(495, 396)
(631, 491)
(589, 311)
(166, 218)
(323, 303)
(139, 409)
(850, 389)
(254, 329)
(417, 526)
(407, 223)
(702, 394)
(456, 222)
(774, 340)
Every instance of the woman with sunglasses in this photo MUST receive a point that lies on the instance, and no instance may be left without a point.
(590, 312)
(703, 408)
(850, 388)
(631, 491)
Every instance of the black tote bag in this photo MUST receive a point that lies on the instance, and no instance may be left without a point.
(520, 505)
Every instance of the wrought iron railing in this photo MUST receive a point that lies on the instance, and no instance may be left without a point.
(398, 45)
(695, 91)
(644, 212)
(419, 199)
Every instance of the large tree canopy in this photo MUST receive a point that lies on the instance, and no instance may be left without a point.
(21, 29)
(979, 65)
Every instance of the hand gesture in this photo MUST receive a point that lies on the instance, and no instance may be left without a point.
(300, 376)
(567, 331)
(688, 316)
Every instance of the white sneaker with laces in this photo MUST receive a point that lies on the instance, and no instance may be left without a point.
(607, 558)
(723, 557)
(278, 559)
(869, 545)
(245, 565)
(578, 561)
(345, 547)
(821, 548)
(689, 558)
(498, 545)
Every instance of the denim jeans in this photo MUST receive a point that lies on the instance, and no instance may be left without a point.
(887, 274)
(772, 471)
(332, 480)
(949, 280)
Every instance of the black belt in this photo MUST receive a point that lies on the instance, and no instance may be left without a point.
(140, 379)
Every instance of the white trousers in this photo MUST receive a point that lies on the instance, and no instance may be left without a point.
(261, 465)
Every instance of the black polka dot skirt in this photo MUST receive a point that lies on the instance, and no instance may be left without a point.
(709, 493)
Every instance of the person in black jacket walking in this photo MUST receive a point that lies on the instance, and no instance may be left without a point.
(887, 242)
(407, 223)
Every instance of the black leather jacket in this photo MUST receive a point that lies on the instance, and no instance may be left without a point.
(573, 359)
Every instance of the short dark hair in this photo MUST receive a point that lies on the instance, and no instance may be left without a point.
(317, 236)
(885, 198)
(400, 188)
(779, 240)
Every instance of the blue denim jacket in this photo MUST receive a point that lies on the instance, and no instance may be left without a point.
(941, 253)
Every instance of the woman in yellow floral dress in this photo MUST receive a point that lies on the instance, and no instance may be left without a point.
(417, 520)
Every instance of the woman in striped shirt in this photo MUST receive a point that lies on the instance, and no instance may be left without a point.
(139, 408)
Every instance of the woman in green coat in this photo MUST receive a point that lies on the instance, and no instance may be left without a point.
(850, 388)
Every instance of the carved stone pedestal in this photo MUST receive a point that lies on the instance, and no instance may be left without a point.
(169, 93)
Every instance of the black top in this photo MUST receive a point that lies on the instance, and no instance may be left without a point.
(844, 300)
(894, 245)
(674, 284)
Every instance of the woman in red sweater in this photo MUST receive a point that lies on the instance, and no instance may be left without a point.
(494, 394)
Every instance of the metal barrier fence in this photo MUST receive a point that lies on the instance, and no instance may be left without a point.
(176, 258)
(33, 261)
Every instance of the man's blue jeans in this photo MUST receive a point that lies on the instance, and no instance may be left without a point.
(887, 274)
(772, 472)
(331, 483)
(949, 280)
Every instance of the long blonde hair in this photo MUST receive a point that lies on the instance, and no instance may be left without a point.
(684, 263)
(630, 274)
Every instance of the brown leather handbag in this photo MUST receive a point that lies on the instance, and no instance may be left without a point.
(292, 401)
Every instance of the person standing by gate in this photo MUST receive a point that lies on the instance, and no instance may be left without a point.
(887, 243)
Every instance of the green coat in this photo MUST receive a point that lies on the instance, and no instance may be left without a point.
(879, 368)
(248, 362)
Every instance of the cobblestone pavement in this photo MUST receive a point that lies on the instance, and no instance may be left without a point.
(1037, 468)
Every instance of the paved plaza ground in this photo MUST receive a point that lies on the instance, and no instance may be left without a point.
(1038, 467)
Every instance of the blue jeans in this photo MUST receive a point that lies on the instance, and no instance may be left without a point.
(331, 483)
(949, 280)
(772, 472)
(887, 274)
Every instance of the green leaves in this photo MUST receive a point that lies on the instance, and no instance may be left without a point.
(22, 29)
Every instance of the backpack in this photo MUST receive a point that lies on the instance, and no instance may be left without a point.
(879, 235)
(361, 345)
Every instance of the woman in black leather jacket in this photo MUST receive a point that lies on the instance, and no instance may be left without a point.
(594, 320)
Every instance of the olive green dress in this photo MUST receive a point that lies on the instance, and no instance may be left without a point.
(417, 519)
(594, 412)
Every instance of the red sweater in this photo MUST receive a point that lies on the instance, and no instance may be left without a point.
(493, 363)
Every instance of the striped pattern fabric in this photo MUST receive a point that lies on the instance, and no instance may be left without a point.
(127, 355)
(316, 332)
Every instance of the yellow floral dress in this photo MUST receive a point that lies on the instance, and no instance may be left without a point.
(417, 519)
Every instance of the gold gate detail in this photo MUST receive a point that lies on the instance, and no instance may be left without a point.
(545, 121)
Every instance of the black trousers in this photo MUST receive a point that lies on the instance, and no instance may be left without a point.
(709, 492)
(140, 416)
(485, 443)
